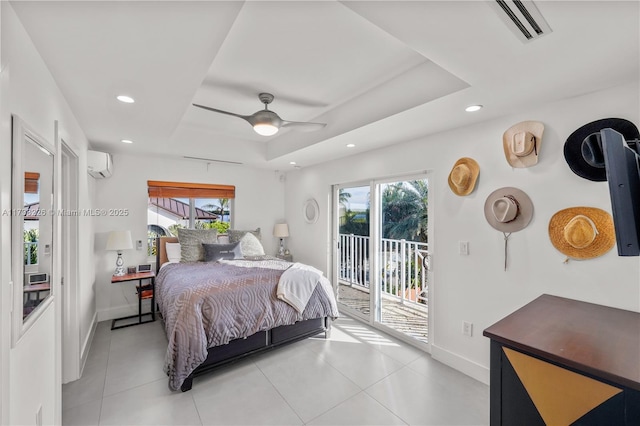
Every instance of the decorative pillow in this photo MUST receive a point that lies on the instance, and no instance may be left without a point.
(236, 235)
(191, 241)
(250, 245)
(215, 252)
(173, 252)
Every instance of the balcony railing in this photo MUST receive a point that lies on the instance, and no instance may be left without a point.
(403, 267)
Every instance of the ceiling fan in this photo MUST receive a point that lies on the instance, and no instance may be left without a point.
(266, 122)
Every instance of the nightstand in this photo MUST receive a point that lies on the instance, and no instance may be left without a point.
(145, 291)
(287, 257)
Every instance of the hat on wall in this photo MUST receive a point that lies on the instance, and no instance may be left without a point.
(521, 143)
(582, 232)
(508, 209)
(463, 176)
(583, 148)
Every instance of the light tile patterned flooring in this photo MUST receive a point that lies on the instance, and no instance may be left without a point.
(412, 321)
(359, 376)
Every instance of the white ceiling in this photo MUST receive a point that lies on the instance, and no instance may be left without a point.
(377, 73)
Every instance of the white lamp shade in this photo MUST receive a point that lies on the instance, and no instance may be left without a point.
(281, 230)
(119, 240)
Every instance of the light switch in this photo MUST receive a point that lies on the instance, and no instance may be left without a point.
(139, 244)
(463, 248)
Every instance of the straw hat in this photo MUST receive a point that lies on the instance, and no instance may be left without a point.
(583, 148)
(521, 143)
(508, 209)
(463, 176)
(582, 232)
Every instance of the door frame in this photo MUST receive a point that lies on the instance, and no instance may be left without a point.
(69, 266)
(335, 231)
(373, 318)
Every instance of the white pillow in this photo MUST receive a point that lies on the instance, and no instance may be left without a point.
(250, 246)
(173, 252)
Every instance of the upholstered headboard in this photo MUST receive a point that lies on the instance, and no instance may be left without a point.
(161, 250)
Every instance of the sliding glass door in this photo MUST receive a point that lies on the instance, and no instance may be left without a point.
(382, 254)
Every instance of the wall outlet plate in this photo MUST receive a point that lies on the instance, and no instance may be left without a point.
(467, 328)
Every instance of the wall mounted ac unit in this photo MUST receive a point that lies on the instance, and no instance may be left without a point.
(99, 164)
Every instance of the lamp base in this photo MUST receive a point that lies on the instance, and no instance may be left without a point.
(281, 249)
(120, 270)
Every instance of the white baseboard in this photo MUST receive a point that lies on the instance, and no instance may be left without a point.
(461, 364)
(86, 345)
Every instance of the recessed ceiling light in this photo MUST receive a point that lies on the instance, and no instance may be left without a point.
(126, 99)
(126, 141)
(351, 145)
(473, 108)
(293, 163)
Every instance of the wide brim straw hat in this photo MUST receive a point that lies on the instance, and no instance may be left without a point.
(523, 216)
(463, 176)
(573, 146)
(534, 128)
(604, 239)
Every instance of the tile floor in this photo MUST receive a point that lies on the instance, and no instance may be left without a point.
(358, 377)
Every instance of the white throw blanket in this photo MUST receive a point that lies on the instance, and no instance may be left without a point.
(298, 283)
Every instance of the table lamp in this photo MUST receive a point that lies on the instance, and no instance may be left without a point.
(118, 241)
(281, 230)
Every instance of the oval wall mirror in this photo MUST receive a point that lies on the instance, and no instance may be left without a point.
(311, 210)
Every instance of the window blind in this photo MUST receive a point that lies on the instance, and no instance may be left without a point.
(163, 189)
(31, 182)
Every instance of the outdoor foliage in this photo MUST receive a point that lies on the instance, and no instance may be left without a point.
(404, 211)
(31, 250)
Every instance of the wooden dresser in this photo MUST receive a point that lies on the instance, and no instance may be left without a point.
(558, 361)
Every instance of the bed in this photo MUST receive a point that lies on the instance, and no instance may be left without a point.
(215, 313)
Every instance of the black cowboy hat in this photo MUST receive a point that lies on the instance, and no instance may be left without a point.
(583, 148)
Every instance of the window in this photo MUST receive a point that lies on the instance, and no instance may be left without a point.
(174, 205)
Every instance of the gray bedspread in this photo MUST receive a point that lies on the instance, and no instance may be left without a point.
(206, 304)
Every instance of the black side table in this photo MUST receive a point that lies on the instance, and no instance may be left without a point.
(143, 293)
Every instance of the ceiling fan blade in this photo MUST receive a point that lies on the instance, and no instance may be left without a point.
(303, 126)
(244, 117)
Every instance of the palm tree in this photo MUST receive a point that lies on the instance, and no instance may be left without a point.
(404, 211)
(343, 197)
(220, 208)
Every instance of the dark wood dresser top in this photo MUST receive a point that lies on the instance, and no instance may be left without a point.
(596, 339)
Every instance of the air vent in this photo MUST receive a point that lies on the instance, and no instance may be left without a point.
(522, 17)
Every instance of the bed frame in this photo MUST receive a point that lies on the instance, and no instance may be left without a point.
(259, 342)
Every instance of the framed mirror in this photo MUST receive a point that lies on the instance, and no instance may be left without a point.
(310, 211)
(32, 225)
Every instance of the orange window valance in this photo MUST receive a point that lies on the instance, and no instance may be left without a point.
(31, 182)
(163, 189)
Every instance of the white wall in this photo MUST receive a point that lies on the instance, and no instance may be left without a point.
(475, 288)
(259, 203)
(29, 91)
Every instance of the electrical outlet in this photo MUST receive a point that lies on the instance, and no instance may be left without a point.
(463, 248)
(467, 328)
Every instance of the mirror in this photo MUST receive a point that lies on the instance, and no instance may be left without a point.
(310, 210)
(32, 224)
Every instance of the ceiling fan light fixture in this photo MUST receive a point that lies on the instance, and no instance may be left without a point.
(265, 129)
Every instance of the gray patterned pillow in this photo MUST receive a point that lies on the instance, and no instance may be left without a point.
(250, 246)
(191, 241)
(236, 235)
